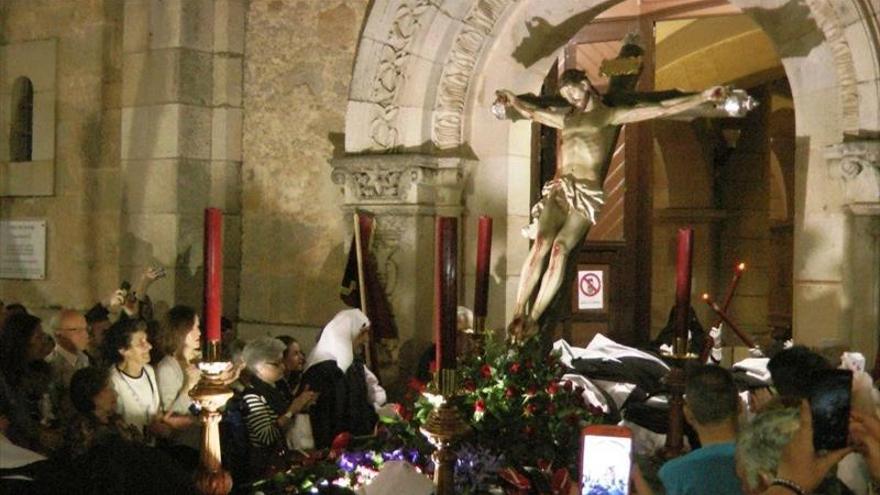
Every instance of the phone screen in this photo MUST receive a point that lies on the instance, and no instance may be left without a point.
(605, 465)
(830, 404)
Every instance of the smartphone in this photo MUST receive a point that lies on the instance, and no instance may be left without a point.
(829, 403)
(605, 460)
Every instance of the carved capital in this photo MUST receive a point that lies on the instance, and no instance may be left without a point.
(402, 179)
(857, 165)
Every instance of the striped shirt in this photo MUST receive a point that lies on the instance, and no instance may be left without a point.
(261, 421)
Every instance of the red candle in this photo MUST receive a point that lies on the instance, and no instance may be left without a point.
(213, 266)
(683, 265)
(445, 291)
(723, 315)
(737, 273)
(484, 257)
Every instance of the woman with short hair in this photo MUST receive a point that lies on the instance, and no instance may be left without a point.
(127, 350)
(268, 411)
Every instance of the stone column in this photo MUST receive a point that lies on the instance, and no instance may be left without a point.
(856, 165)
(181, 140)
(405, 192)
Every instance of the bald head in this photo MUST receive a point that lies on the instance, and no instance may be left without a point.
(71, 331)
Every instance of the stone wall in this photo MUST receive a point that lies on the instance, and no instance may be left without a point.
(298, 61)
(83, 213)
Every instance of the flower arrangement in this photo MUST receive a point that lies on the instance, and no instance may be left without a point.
(525, 428)
(522, 412)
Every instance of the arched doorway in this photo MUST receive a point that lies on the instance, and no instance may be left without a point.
(425, 75)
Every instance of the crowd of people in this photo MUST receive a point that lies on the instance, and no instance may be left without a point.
(765, 443)
(99, 402)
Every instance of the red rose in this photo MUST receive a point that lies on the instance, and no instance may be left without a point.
(552, 388)
(341, 441)
(514, 368)
(595, 410)
(479, 406)
(561, 481)
(544, 465)
(530, 408)
(404, 413)
(486, 371)
(511, 392)
(532, 391)
(568, 386)
(469, 386)
(416, 384)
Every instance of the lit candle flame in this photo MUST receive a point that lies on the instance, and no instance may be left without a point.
(705, 296)
(741, 267)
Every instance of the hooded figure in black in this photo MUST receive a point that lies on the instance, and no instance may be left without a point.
(696, 334)
(338, 376)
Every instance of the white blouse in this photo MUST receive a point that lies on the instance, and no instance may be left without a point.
(170, 376)
(137, 398)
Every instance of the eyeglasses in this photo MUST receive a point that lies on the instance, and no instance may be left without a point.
(74, 329)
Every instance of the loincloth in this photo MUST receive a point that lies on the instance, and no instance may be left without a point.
(577, 195)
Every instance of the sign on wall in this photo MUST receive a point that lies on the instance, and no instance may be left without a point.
(591, 289)
(23, 249)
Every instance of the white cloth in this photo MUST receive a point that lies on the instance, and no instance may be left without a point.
(299, 433)
(137, 398)
(755, 368)
(592, 394)
(601, 347)
(170, 377)
(376, 394)
(397, 477)
(12, 456)
(854, 361)
(336, 339)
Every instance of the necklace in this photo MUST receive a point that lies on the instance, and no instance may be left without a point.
(137, 397)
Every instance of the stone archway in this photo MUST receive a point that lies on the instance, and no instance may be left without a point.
(425, 73)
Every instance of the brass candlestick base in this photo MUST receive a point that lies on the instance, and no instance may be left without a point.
(443, 427)
(211, 393)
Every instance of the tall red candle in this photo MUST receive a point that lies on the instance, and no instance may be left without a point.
(484, 257)
(731, 289)
(213, 250)
(683, 266)
(446, 291)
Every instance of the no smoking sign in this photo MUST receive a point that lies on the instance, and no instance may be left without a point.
(591, 289)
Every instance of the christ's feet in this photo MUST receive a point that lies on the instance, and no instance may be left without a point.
(521, 328)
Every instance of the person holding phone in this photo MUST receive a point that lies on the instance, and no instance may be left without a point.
(712, 408)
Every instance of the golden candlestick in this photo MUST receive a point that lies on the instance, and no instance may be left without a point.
(443, 427)
(211, 393)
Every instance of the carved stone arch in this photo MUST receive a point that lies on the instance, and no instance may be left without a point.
(828, 21)
(426, 71)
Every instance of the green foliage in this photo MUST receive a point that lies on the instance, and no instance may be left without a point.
(513, 399)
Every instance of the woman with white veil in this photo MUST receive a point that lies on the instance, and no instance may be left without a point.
(339, 377)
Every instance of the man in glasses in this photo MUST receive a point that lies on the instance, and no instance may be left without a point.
(71, 334)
